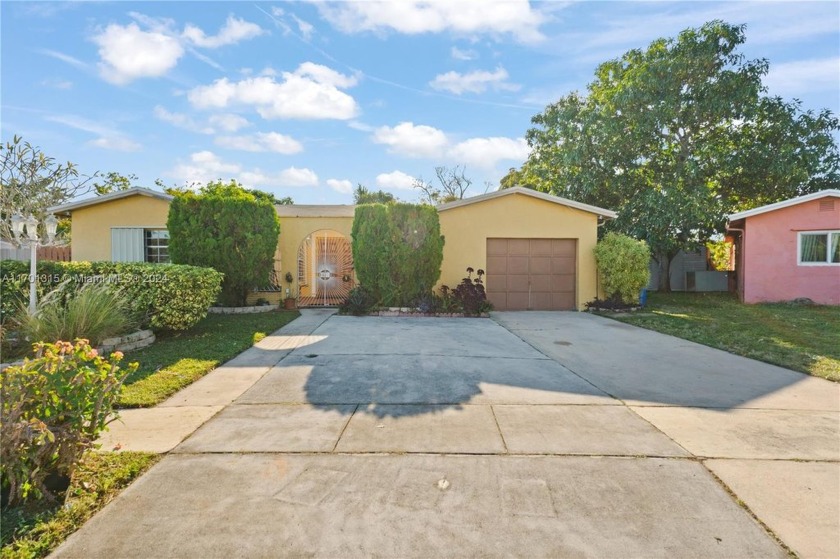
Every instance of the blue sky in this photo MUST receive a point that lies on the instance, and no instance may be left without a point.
(306, 99)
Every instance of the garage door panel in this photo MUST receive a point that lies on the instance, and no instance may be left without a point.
(517, 301)
(497, 247)
(519, 247)
(540, 265)
(563, 247)
(517, 265)
(541, 283)
(498, 299)
(541, 247)
(562, 265)
(541, 301)
(537, 274)
(496, 265)
(517, 283)
(563, 284)
(562, 301)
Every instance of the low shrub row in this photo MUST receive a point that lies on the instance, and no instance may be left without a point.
(162, 296)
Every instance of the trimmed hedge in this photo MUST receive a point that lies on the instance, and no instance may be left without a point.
(227, 228)
(397, 251)
(164, 296)
(622, 266)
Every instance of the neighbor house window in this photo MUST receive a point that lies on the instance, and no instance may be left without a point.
(819, 247)
(157, 246)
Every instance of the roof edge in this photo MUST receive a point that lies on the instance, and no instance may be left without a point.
(784, 204)
(532, 193)
(134, 190)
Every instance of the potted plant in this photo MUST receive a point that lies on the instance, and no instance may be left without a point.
(289, 303)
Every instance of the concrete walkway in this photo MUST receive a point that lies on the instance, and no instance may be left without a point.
(163, 427)
(534, 435)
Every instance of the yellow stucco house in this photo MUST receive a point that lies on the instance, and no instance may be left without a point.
(536, 248)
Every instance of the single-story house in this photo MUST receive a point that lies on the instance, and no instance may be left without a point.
(536, 248)
(789, 250)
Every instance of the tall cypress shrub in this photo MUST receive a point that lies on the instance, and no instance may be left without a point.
(397, 251)
(227, 228)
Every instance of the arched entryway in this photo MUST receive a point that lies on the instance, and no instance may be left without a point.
(325, 269)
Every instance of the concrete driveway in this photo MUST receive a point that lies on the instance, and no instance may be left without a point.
(531, 434)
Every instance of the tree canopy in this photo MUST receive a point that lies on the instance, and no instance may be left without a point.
(228, 228)
(453, 185)
(364, 196)
(31, 182)
(675, 137)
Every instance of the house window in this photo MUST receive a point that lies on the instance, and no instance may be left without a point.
(819, 248)
(157, 246)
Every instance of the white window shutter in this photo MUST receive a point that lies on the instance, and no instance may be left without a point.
(127, 245)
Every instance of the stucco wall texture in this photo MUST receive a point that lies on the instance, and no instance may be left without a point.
(465, 228)
(90, 227)
(772, 270)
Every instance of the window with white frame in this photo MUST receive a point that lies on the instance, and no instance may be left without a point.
(157, 246)
(819, 248)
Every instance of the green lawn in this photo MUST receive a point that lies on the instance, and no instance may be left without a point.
(35, 530)
(177, 360)
(800, 337)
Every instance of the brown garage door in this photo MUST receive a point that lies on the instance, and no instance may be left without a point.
(536, 274)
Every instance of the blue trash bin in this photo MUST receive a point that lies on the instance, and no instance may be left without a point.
(643, 298)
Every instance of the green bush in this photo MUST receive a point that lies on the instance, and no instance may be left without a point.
(95, 311)
(53, 409)
(359, 302)
(397, 251)
(163, 296)
(623, 266)
(229, 229)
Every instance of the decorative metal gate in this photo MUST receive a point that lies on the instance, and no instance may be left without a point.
(325, 269)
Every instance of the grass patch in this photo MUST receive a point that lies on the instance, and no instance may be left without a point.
(804, 338)
(177, 360)
(34, 530)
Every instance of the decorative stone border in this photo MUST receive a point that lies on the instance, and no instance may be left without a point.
(141, 338)
(243, 310)
(627, 310)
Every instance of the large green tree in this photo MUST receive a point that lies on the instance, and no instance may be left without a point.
(228, 228)
(362, 195)
(676, 136)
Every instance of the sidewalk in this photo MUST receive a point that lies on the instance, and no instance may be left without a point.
(163, 427)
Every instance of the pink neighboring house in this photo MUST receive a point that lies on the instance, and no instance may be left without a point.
(789, 249)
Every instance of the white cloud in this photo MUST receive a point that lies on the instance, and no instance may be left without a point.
(181, 121)
(496, 17)
(57, 83)
(128, 53)
(486, 153)
(108, 138)
(412, 140)
(294, 176)
(803, 76)
(306, 29)
(396, 180)
(343, 186)
(261, 141)
(233, 31)
(228, 122)
(473, 82)
(66, 58)
(422, 141)
(459, 54)
(310, 92)
(206, 166)
(115, 143)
